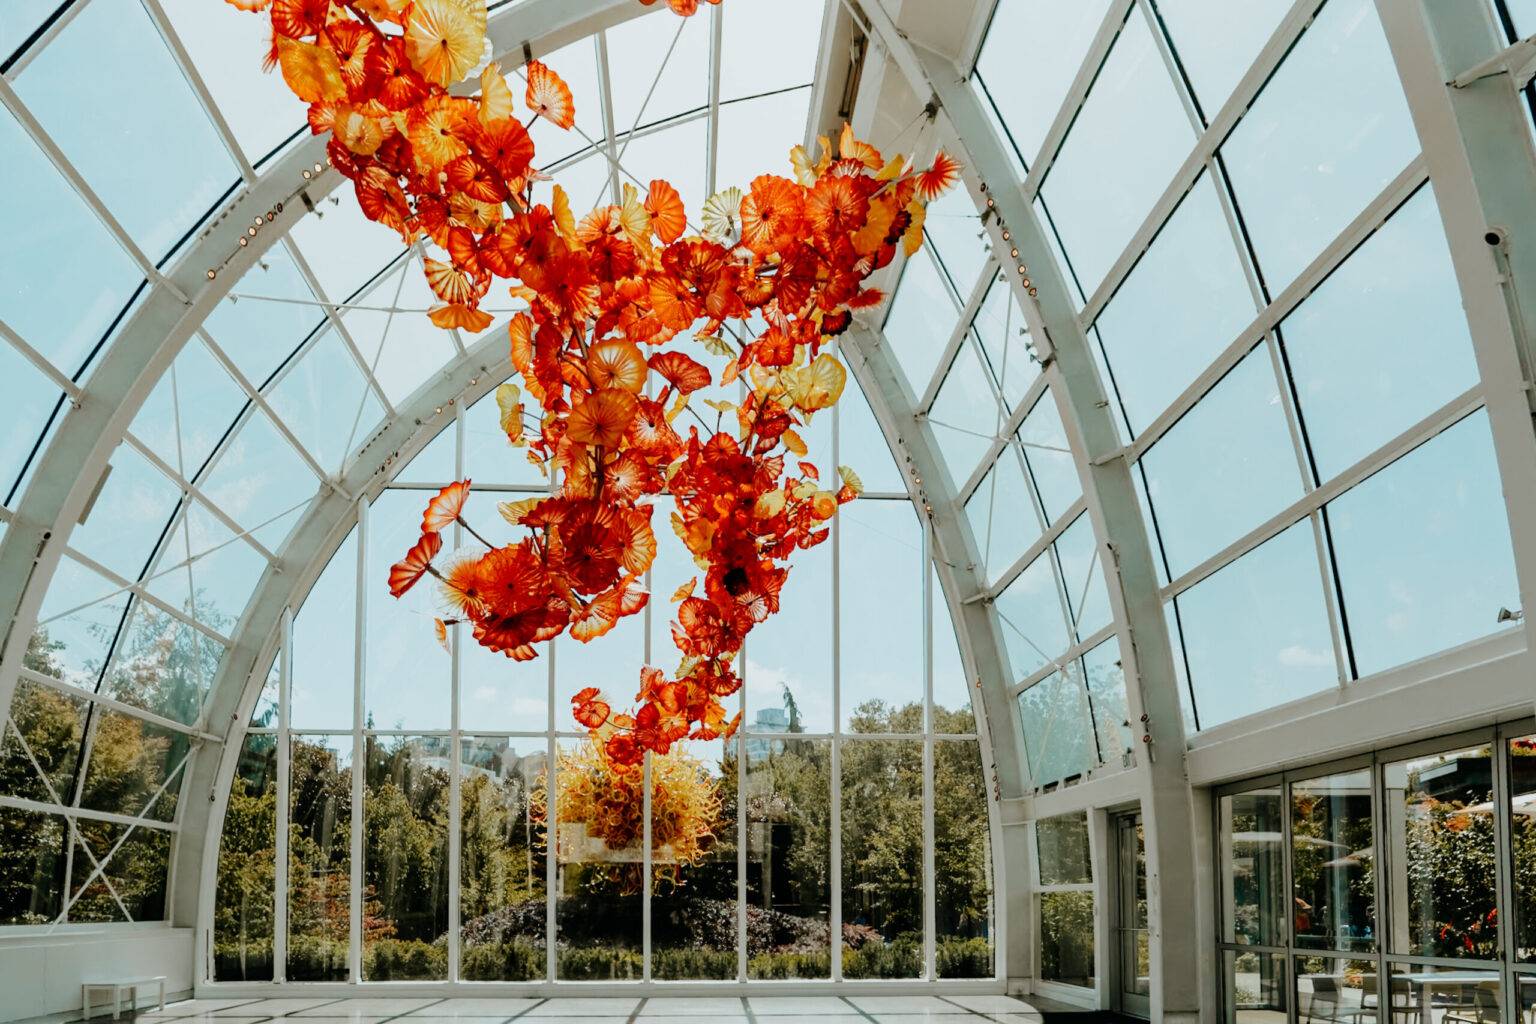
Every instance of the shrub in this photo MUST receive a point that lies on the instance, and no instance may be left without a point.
(517, 960)
(404, 960)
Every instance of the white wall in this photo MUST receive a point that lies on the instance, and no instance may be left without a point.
(41, 973)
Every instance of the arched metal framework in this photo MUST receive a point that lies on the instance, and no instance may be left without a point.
(1477, 153)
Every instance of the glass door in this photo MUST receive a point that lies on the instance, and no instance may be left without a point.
(1133, 958)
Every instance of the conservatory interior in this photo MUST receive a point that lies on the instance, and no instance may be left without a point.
(768, 510)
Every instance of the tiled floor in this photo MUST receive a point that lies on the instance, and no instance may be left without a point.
(853, 1009)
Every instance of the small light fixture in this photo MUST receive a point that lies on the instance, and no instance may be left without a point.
(212, 273)
(1505, 615)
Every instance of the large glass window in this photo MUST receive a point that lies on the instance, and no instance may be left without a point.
(883, 837)
(1064, 877)
(501, 859)
(1333, 873)
(1326, 134)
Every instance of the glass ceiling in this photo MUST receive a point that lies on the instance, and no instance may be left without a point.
(322, 341)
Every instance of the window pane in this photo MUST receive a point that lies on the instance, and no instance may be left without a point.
(320, 858)
(1522, 830)
(1066, 938)
(1423, 550)
(1031, 54)
(160, 165)
(1455, 992)
(32, 874)
(789, 30)
(789, 656)
(1253, 868)
(1000, 327)
(162, 665)
(1217, 40)
(921, 320)
(953, 228)
(1061, 848)
(49, 726)
(1256, 633)
(242, 914)
(128, 515)
(406, 681)
(1329, 130)
(501, 860)
(1058, 737)
(30, 401)
(1124, 146)
(668, 83)
(131, 759)
(1082, 571)
(260, 482)
(787, 799)
(1440, 859)
(187, 413)
(598, 910)
(1255, 989)
(405, 858)
(693, 906)
(324, 645)
(405, 350)
(881, 626)
(1182, 304)
(965, 415)
(80, 622)
(1032, 618)
(1106, 697)
(435, 463)
(882, 788)
(1225, 467)
(1334, 988)
(1332, 867)
(324, 400)
(962, 857)
(62, 315)
(951, 687)
(1043, 441)
(136, 872)
(1383, 342)
(488, 456)
(1002, 514)
(258, 336)
(860, 444)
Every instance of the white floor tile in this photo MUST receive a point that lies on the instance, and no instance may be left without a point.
(588, 1006)
(692, 1006)
(953, 1015)
(463, 1018)
(902, 1004)
(187, 1007)
(993, 1004)
(371, 1006)
(341, 1017)
(535, 1018)
(721, 1018)
(275, 1007)
(1018, 1018)
(849, 1016)
(196, 1018)
(472, 1006)
(798, 1006)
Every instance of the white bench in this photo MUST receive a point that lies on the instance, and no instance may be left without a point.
(118, 987)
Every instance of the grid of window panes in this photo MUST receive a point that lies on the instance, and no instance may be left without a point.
(277, 388)
(1384, 888)
(1248, 230)
(856, 710)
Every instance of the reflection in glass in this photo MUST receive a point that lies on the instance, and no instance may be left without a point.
(320, 859)
(787, 799)
(1066, 937)
(1332, 862)
(1444, 995)
(1253, 868)
(1106, 697)
(1440, 855)
(501, 860)
(1255, 990)
(405, 858)
(1522, 832)
(136, 873)
(1058, 735)
(243, 907)
(1061, 850)
(962, 857)
(882, 787)
(1335, 990)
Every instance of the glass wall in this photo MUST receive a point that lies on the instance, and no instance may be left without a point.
(1280, 337)
(859, 752)
(1385, 886)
